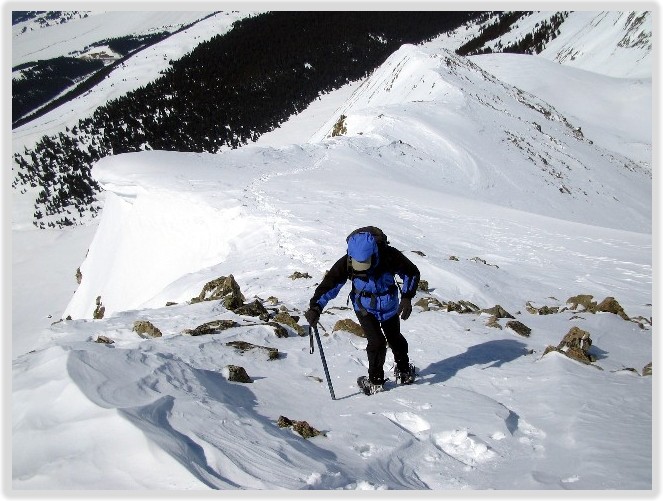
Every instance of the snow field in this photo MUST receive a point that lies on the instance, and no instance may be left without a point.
(487, 412)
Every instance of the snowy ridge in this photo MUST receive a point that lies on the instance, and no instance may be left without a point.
(515, 128)
(615, 43)
(446, 157)
(140, 69)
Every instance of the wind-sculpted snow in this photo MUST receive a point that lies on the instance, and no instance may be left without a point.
(474, 137)
(446, 173)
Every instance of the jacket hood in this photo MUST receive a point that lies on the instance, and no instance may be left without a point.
(361, 246)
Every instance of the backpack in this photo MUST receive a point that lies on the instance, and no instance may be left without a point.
(378, 235)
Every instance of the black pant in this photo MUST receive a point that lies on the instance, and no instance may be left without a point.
(378, 335)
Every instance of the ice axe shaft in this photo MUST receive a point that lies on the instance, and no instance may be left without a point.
(314, 330)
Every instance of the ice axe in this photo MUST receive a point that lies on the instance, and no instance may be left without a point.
(312, 329)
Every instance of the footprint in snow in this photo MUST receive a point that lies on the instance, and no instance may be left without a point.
(409, 421)
(458, 444)
(462, 446)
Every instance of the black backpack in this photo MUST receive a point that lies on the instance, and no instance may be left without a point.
(378, 235)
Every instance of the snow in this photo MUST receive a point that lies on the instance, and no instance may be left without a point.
(145, 66)
(426, 157)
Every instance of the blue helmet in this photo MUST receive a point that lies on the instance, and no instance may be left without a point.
(361, 247)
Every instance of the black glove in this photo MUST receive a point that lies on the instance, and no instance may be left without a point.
(312, 315)
(405, 308)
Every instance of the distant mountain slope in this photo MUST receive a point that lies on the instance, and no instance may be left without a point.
(614, 43)
(181, 111)
(60, 33)
(226, 92)
(434, 105)
(86, 48)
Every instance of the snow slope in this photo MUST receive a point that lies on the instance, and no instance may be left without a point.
(429, 140)
(616, 43)
(616, 113)
(74, 36)
(140, 69)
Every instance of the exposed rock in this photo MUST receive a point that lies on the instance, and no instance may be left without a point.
(519, 328)
(498, 311)
(640, 320)
(584, 300)
(646, 371)
(611, 305)
(575, 344)
(279, 330)
(428, 303)
(284, 317)
(543, 310)
(462, 307)
(79, 276)
(170, 303)
(254, 309)
(99, 310)
(419, 253)
(232, 302)
(301, 427)
(238, 374)
(339, 127)
(243, 346)
(219, 289)
(299, 274)
(273, 300)
(213, 327)
(453, 258)
(482, 261)
(104, 340)
(423, 286)
(350, 326)
(146, 329)
(492, 322)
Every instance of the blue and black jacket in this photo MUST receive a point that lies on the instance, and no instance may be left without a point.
(374, 291)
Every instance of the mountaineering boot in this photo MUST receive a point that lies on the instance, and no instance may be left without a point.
(405, 376)
(369, 388)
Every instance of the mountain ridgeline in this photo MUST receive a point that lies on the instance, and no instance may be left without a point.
(227, 92)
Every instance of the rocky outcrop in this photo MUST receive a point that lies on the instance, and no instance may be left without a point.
(283, 317)
(585, 303)
(146, 329)
(237, 374)
(220, 288)
(213, 327)
(350, 326)
(498, 312)
(99, 310)
(611, 305)
(608, 305)
(279, 330)
(254, 309)
(429, 303)
(298, 274)
(519, 328)
(575, 344)
(301, 427)
(244, 346)
(543, 310)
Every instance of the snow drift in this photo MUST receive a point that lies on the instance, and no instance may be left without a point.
(461, 129)
(494, 195)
